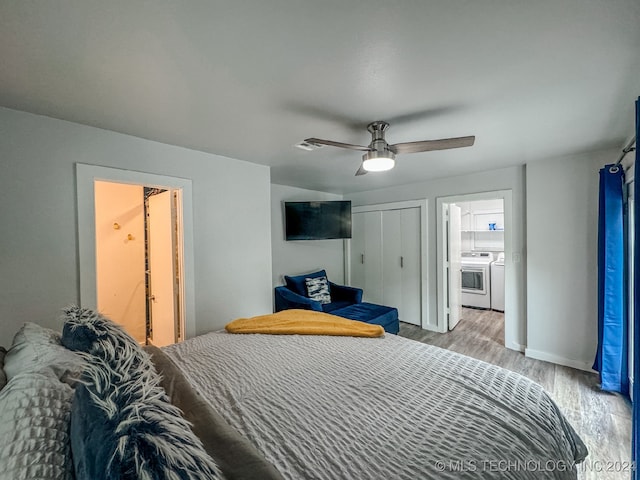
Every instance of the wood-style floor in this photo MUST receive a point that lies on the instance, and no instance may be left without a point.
(603, 420)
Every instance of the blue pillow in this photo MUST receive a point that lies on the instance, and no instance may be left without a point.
(84, 327)
(298, 284)
(76, 335)
(88, 331)
(123, 425)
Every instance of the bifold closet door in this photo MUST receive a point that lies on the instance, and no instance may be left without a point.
(411, 266)
(401, 262)
(392, 260)
(366, 255)
(357, 250)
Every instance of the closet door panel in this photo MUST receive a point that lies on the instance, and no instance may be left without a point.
(392, 258)
(411, 271)
(373, 285)
(357, 250)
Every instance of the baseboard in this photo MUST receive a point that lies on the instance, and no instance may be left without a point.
(431, 328)
(515, 346)
(549, 357)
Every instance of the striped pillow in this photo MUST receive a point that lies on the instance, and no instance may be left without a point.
(318, 289)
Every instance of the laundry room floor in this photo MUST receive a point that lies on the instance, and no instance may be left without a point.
(603, 420)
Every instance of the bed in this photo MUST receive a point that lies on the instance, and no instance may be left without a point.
(324, 407)
(270, 407)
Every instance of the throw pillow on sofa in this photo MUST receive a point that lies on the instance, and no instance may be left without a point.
(318, 289)
(298, 284)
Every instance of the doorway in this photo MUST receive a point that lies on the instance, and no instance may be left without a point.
(482, 254)
(472, 242)
(86, 178)
(139, 267)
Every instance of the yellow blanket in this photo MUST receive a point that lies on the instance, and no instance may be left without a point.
(304, 322)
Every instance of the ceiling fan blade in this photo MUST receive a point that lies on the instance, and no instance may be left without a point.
(331, 143)
(361, 171)
(429, 145)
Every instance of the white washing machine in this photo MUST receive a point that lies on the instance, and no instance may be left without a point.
(497, 283)
(476, 281)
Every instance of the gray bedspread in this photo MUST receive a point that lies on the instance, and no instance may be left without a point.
(321, 407)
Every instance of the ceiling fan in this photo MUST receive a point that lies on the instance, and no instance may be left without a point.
(380, 156)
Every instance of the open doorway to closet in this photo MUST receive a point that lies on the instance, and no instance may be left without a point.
(475, 263)
(148, 225)
(139, 260)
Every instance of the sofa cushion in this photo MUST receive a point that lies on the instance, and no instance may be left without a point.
(330, 307)
(318, 289)
(382, 315)
(298, 284)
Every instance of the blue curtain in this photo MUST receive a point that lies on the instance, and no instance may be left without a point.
(635, 435)
(612, 354)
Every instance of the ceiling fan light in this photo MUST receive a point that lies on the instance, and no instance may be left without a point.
(378, 161)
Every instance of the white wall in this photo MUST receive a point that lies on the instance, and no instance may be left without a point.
(562, 267)
(304, 256)
(502, 179)
(38, 248)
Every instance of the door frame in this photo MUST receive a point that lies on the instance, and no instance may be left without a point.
(449, 265)
(86, 175)
(631, 253)
(511, 257)
(424, 277)
(176, 270)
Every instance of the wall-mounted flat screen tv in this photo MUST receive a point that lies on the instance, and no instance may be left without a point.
(317, 220)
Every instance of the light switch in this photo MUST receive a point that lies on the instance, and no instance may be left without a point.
(517, 257)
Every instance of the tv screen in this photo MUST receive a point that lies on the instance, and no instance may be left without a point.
(317, 220)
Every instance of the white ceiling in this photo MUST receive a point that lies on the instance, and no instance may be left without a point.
(249, 79)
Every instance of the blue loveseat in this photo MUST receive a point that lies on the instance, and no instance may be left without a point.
(345, 302)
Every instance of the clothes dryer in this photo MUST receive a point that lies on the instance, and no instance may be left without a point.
(497, 284)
